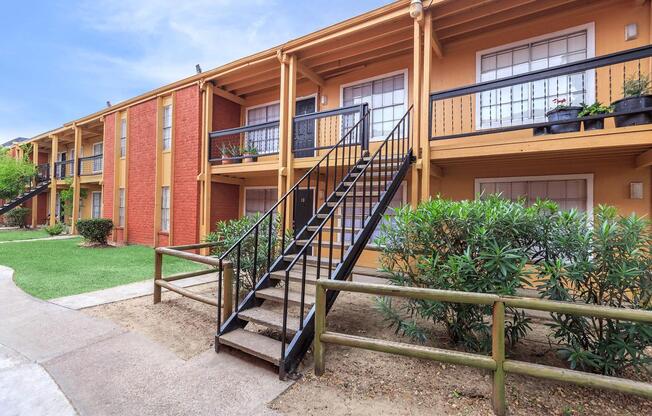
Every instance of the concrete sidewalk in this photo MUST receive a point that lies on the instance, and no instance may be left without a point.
(103, 369)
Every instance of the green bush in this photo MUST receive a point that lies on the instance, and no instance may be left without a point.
(17, 217)
(95, 230)
(227, 233)
(472, 246)
(55, 229)
(15, 175)
(609, 264)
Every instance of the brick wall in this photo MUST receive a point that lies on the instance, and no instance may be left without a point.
(141, 172)
(109, 167)
(225, 200)
(186, 162)
(226, 115)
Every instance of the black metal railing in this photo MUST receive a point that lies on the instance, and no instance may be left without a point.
(64, 169)
(355, 208)
(522, 102)
(42, 172)
(263, 137)
(314, 132)
(90, 165)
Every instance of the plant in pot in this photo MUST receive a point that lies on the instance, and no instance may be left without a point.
(250, 154)
(230, 154)
(636, 96)
(563, 112)
(594, 109)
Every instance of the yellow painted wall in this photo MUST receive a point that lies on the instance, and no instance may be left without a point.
(87, 202)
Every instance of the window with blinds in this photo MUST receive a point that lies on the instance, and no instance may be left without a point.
(165, 209)
(167, 127)
(265, 140)
(568, 193)
(259, 200)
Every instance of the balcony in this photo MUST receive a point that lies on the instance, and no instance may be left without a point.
(64, 169)
(91, 165)
(542, 108)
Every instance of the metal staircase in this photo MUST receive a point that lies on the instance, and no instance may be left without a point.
(39, 184)
(274, 297)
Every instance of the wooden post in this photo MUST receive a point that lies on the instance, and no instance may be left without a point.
(416, 113)
(35, 199)
(320, 327)
(75, 181)
(498, 354)
(424, 141)
(227, 290)
(158, 275)
(207, 127)
(53, 178)
(282, 128)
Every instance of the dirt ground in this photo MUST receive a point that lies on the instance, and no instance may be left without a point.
(359, 382)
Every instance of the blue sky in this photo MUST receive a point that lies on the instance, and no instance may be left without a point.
(60, 60)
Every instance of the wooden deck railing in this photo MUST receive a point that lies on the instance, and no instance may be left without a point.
(497, 362)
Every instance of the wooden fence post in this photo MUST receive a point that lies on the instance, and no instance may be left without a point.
(158, 275)
(227, 290)
(498, 354)
(320, 327)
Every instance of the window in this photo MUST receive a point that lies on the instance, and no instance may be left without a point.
(266, 139)
(569, 191)
(386, 100)
(97, 163)
(97, 205)
(121, 208)
(529, 102)
(167, 127)
(165, 209)
(259, 200)
(123, 138)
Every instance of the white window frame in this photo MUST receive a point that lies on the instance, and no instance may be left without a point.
(247, 188)
(590, 53)
(588, 177)
(406, 85)
(165, 210)
(123, 139)
(99, 214)
(121, 206)
(164, 128)
(97, 163)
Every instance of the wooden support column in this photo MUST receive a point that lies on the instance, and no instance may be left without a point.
(424, 119)
(416, 100)
(207, 127)
(76, 192)
(158, 170)
(35, 199)
(53, 177)
(282, 128)
(291, 110)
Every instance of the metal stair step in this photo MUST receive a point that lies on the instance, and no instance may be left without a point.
(270, 319)
(277, 294)
(254, 344)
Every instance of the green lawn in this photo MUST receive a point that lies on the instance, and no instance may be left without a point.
(55, 268)
(13, 235)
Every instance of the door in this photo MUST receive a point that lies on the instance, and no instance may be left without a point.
(304, 131)
(303, 209)
(96, 211)
(97, 163)
(62, 166)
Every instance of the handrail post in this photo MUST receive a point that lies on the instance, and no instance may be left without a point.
(158, 274)
(498, 354)
(227, 290)
(320, 327)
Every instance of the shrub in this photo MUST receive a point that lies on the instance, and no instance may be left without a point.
(55, 229)
(471, 246)
(95, 230)
(609, 264)
(15, 175)
(227, 233)
(17, 217)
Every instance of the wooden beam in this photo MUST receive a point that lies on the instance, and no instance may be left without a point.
(229, 96)
(644, 159)
(310, 74)
(53, 178)
(76, 191)
(227, 179)
(436, 171)
(436, 45)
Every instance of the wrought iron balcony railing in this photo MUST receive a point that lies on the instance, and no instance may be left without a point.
(64, 169)
(91, 165)
(549, 101)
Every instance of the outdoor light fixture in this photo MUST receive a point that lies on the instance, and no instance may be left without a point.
(636, 190)
(198, 68)
(631, 31)
(324, 100)
(416, 9)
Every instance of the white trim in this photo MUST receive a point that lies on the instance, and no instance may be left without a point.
(588, 177)
(406, 87)
(93, 204)
(101, 161)
(590, 53)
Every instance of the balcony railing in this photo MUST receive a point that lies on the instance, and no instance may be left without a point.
(311, 133)
(42, 172)
(64, 169)
(530, 101)
(91, 165)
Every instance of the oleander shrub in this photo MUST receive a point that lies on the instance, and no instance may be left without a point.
(95, 230)
(55, 229)
(608, 264)
(15, 175)
(17, 217)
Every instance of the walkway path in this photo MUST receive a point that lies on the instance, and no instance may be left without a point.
(103, 369)
(57, 237)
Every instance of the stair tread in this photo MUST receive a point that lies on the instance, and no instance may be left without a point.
(269, 318)
(277, 294)
(253, 343)
(296, 274)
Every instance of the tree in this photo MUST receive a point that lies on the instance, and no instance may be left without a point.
(14, 176)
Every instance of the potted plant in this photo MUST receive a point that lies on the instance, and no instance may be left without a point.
(250, 154)
(636, 95)
(563, 112)
(230, 154)
(594, 109)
